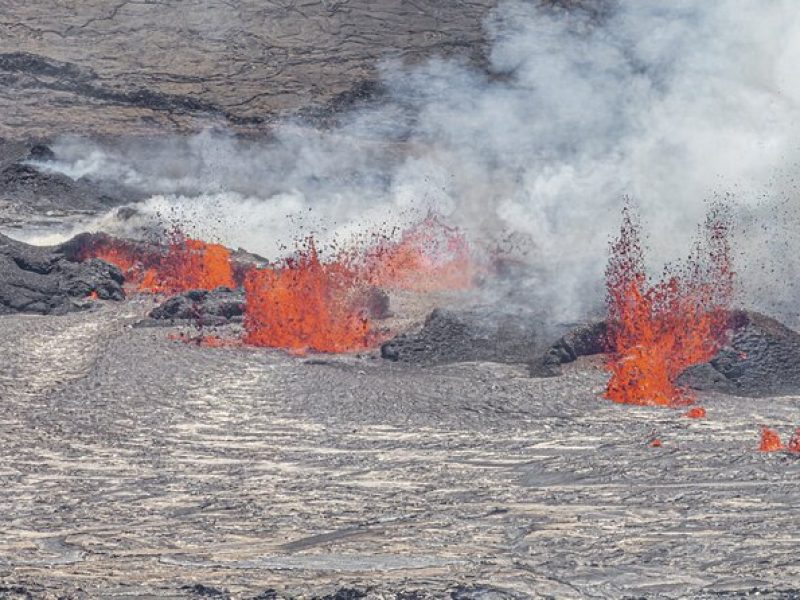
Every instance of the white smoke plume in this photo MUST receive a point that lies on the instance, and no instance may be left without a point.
(669, 103)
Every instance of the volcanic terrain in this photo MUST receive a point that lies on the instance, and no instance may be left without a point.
(410, 419)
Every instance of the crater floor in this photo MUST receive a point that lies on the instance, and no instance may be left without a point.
(131, 464)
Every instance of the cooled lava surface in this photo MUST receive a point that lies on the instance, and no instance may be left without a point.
(136, 464)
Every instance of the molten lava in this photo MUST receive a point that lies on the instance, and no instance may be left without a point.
(190, 265)
(305, 304)
(186, 264)
(696, 412)
(770, 440)
(794, 442)
(430, 256)
(658, 329)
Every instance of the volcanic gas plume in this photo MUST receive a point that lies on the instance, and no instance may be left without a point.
(659, 328)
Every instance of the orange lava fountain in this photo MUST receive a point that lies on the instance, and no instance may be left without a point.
(770, 441)
(430, 256)
(190, 265)
(187, 264)
(658, 329)
(304, 305)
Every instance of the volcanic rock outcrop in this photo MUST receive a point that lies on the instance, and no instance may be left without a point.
(201, 307)
(28, 192)
(476, 334)
(42, 280)
(63, 71)
(762, 358)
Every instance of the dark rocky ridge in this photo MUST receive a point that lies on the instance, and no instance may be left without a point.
(201, 307)
(99, 68)
(762, 358)
(28, 193)
(43, 280)
(478, 334)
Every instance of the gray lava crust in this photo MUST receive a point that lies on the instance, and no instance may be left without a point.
(42, 280)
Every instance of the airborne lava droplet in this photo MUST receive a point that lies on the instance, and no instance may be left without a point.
(659, 328)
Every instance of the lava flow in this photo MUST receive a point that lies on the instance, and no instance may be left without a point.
(187, 264)
(658, 329)
(306, 304)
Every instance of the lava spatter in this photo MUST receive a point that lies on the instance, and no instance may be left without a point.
(429, 256)
(184, 264)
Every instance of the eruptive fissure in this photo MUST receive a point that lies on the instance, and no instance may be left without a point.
(656, 329)
(304, 302)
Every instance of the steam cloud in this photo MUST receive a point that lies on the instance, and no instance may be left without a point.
(668, 103)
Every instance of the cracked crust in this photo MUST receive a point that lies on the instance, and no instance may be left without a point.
(147, 66)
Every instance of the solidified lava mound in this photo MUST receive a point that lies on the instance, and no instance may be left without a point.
(761, 358)
(477, 334)
(43, 280)
(202, 307)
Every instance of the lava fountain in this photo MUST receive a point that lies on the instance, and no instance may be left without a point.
(659, 328)
(185, 264)
(306, 304)
(428, 257)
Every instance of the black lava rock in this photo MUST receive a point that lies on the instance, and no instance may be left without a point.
(42, 280)
(480, 334)
(41, 152)
(203, 307)
(762, 358)
(582, 340)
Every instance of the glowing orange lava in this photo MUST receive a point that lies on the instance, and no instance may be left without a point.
(696, 412)
(770, 440)
(187, 264)
(304, 305)
(794, 442)
(658, 329)
(430, 256)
